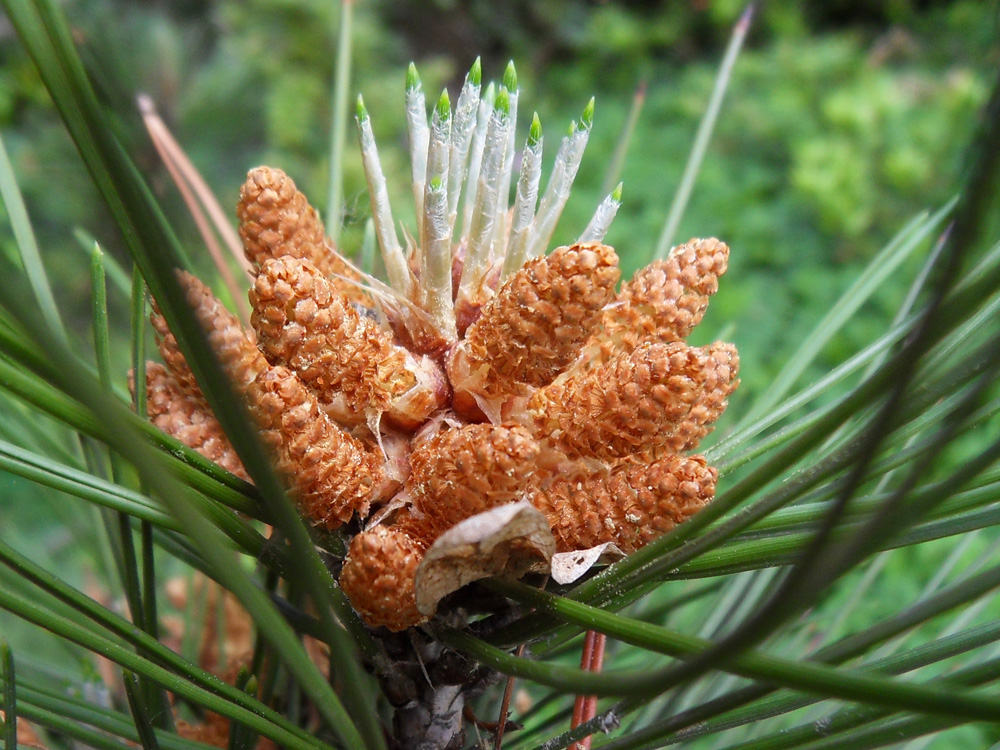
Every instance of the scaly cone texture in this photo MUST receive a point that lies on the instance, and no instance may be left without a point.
(629, 506)
(334, 474)
(461, 472)
(663, 302)
(176, 405)
(635, 401)
(276, 220)
(490, 372)
(720, 381)
(349, 362)
(455, 474)
(331, 473)
(380, 573)
(186, 416)
(169, 350)
(535, 324)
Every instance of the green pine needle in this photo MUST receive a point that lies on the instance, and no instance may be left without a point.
(140, 713)
(9, 694)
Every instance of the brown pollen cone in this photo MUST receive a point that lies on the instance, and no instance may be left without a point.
(534, 326)
(302, 321)
(276, 219)
(630, 506)
(332, 473)
(720, 381)
(460, 472)
(177, 412)
(663, 302)
(171, 353)
(379, 576)
(633, 402)
(237, 353)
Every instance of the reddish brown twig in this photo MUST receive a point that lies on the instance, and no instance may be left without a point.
(596, 664)
(585, 706)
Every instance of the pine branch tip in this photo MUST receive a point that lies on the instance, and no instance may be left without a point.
(535, 132)
(502, 103)
(510, 77)
(412, 78)
(587, 119)
(443, 108)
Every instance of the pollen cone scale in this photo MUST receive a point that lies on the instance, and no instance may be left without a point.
(276, 219)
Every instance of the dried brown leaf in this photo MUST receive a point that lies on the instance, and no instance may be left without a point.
(504, 542)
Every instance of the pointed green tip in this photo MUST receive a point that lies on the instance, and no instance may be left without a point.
(588, 115)
(443, 109)
(616, 194)
(572, 128)
(535, 133)
(362, 113)
(242, 678)
(502, 103)
(510, 77)
(491, 92)
(476, 72)
(412, 78)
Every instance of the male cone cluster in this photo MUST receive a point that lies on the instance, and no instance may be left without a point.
(552, 388)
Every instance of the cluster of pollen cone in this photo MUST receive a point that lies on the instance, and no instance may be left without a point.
(488, 371)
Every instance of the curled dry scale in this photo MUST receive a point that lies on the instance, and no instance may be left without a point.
(494, 408)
